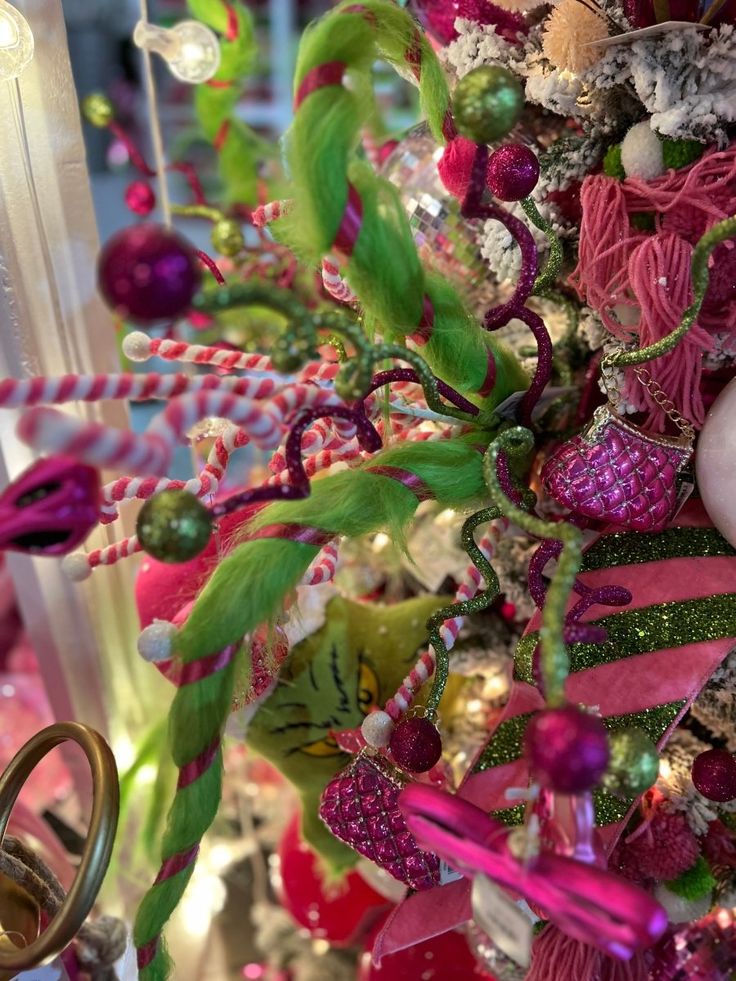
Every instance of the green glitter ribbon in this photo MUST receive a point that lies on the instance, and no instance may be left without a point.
(517, 443)
(699, 271)
(474, 605)
(548, 276)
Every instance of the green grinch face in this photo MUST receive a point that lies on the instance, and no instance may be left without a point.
(330, 682)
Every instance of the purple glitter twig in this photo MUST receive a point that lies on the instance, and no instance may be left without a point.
(408, 374)
(299, 486)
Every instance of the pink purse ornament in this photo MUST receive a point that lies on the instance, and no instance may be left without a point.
(615, 472)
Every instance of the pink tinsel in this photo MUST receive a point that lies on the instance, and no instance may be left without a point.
(639, 282)
(556, 956)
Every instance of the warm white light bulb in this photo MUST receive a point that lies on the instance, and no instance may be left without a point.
(190, 49)
(16, 42)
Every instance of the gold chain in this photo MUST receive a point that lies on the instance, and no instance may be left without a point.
(665, 402)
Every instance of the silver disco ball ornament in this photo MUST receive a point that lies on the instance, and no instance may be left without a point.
(445, 240)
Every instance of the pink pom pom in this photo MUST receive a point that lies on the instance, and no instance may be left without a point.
(667, 849)
(455, 166)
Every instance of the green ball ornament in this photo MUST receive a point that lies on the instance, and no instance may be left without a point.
(633, 765)
(173, 526)
(227, 237)
(487, 103)
(98, 110)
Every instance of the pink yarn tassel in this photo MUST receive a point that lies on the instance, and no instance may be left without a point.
(659, 273)
(557, 957)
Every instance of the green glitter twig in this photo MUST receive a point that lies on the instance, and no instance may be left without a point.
(478, 602)
(518, 443)
(548, 276)
(699, 271)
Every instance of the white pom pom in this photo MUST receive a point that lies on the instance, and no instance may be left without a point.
(137, 346)
(641, 153)
(679, 909)
(155, 642)
(377, 728)
(76, 567)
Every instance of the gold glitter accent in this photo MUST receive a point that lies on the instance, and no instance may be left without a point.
(652, 628)
(636, 548)
(512, 817)
(505, 745)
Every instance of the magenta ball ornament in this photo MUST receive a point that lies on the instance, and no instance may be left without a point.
(140, 198)
(567, 749)
(148, 273)
(416, 744)
(714, 775)
(513, 172)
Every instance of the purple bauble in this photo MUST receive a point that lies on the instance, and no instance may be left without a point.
(567, 749)
(513, 172)
(714, 775)
(148, 273)
(416, 745)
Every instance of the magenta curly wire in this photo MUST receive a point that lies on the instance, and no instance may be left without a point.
(409, 375)
(473, 208)
(299, 485)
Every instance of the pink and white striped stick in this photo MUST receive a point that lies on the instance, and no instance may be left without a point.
(26, 392)
(140, 347)
(333, 282)
(401, 701)
(205, 483)
(264, 214)
(323, 568)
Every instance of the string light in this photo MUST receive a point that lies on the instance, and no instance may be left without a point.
(16, 42)
(190, 49)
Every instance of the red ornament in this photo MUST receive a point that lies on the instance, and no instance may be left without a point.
(455, 165)
(140, 198)
(567, 749)
(714, 775)
(342, 913)
(416, 745)
(148, 273)
(443, 958)
(513, 172)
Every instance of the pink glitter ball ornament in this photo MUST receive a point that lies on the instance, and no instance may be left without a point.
(513, 172)
(416, 745)
(567, 749)
(360, 807)
(140, 198)
(714, 775)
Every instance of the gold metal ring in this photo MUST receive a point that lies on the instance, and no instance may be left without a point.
(100, 837)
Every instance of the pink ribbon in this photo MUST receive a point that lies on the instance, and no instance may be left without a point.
(589, 904)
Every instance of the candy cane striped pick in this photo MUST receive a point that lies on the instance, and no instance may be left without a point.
(266, 213)
(323, 567)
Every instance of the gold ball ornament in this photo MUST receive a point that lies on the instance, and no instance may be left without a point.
(227, 237)
(487, 103)
(633, 765)
(98, 110)
(20, 920)
(174, 526)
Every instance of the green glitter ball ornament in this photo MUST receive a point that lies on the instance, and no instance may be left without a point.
(227, 237)
(173, 526)
(487, 103)
(98, 110)
(633, 764)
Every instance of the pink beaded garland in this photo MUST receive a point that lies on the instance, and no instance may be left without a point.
(416, 745)
(567, 749)
(140, 198)
(513, 172)
(714, 775)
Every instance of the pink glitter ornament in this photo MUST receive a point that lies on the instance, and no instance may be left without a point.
(360, 807)
(416, 745)
(513, 172)
(148, 273)
(51, 508)
(140, 198)
(714, 775)
(567, 749)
